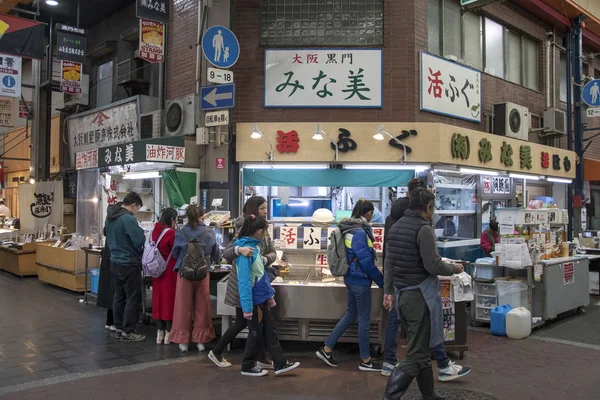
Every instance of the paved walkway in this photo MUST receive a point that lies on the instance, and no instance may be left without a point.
(52, 347)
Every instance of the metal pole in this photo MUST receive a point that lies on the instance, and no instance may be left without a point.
(578, 110)
(78, 13)
(35, 128)
(569, 62)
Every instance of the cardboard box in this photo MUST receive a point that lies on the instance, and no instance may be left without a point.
(72, 261)
(62, 279)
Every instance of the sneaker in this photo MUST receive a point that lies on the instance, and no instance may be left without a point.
(255, 372)
(167, 341)
(201, 347)
(113, 328)
(160, 337)
(107, 327)
(287, 368)
(452, 372)
(327, 357)
(265, 364)
(387, 369)
(118, 333)
(219, 361)
(132, 337)
(370, 366)
(183, 347)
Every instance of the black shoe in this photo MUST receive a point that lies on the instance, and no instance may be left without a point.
(370, 366)
(287, 368)
(397, 385)
(254, 372)
(425, 380)
(327, 357)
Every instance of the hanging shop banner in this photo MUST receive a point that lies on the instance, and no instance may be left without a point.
(7, 112)
(114, 124)
(22, 37)
(25, 109)
(450, 89)
(317, 78)
(40, 204)
(421, 143)
(10, 75)
(70, 77)
(155, 10)
(163, 150)
(70, 43)
(152, 41)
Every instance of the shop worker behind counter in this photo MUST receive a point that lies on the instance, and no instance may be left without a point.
(412, 265)
(125, 240)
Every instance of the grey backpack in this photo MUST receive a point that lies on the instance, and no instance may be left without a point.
(194, 266)
(337, 259)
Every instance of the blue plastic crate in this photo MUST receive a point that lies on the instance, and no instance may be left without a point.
(94, 280)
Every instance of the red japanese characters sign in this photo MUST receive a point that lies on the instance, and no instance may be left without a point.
(157, 152)
(378, 234)
(70, 77)
(87, 159)
(568, 273)
(152, 41)
(23, 109)
(287, 142)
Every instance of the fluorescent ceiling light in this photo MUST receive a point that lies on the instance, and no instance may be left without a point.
(528, 177)
(387, 166)
(478, 171)
(559, 180)
(446, 171)
(142, 175)
(52, 2)
(286, 166)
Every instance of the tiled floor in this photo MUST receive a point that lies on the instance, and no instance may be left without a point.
(46, 332)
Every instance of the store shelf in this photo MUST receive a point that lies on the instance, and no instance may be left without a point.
(455, 212)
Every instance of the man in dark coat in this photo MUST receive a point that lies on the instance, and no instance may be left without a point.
(106, 291)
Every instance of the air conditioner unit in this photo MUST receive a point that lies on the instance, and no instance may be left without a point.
(555, 121)
(180, 116)
(83, 98)
(511, 120)
(151, 125)
(131, 71)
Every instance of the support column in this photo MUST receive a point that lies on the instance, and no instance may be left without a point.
(577, 119)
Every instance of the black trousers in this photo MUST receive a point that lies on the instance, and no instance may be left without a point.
(110, 321)
(262, 327)
(164, 325)
(233, 331)
(128, 296)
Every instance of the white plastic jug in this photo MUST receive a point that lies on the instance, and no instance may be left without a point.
(518, 323)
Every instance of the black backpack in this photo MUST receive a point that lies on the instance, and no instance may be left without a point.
(194, 266)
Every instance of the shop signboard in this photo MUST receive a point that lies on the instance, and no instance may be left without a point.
(425, 143)
(70, 43)
(155, 10)
(40, 204)
(312, 238)
(10, 75)
(487, 185)
(288, 237)
(449, 88)
(322, 78)
(152, 41)
(114, 124)
(163, 150)
(7, 112)
(70, 82)
(24, 110)
(378, 234)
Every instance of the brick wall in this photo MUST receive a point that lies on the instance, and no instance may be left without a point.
(182, 35)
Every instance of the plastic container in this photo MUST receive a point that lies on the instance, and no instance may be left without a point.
(518, 323)
(487, 271)
(498, 320)
(513, 293)
(94, 280)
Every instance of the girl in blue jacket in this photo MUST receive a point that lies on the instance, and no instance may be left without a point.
(362, 272)
(257, 298)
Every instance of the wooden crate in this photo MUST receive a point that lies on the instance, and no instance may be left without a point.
(72, 261)
(18, 262)
(61, 278)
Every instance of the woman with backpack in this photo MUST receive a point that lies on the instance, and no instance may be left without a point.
(362, 272)
(163, 287)
(192, 297)
(257, 299)
(255, 205)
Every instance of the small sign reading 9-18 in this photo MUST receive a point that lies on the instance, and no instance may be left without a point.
(215, 75)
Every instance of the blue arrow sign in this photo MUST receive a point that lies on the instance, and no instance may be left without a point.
(218, 96)
(591, 93)
(220, 46)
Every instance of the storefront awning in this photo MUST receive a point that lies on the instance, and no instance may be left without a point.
(326, 177)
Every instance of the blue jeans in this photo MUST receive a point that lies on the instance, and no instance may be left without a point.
(359, 306)
(438, 352)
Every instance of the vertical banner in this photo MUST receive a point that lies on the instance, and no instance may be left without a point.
(7, 112)
(70, 82)
(10, 75)
(40, 204)
(152, 41)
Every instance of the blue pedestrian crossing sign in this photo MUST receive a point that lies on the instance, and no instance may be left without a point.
(591, 93)
(220, 47)
(216, 97)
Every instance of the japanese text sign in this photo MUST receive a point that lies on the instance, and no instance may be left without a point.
(40, 204)
(152, 41)
(25, 109)
(87, 159)
(450, 89)
(378, 234)
(568, 273)
(160, 153)
(312, 238)
(155, 10)
(7, 112)
(10, 75)
(70, 77)
(323, 78)
(70, 44)
(288, 237)
(321, 260)
(115, 124)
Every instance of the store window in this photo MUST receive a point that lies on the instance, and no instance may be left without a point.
(104, 84)
(321, 22)
(482, 43)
